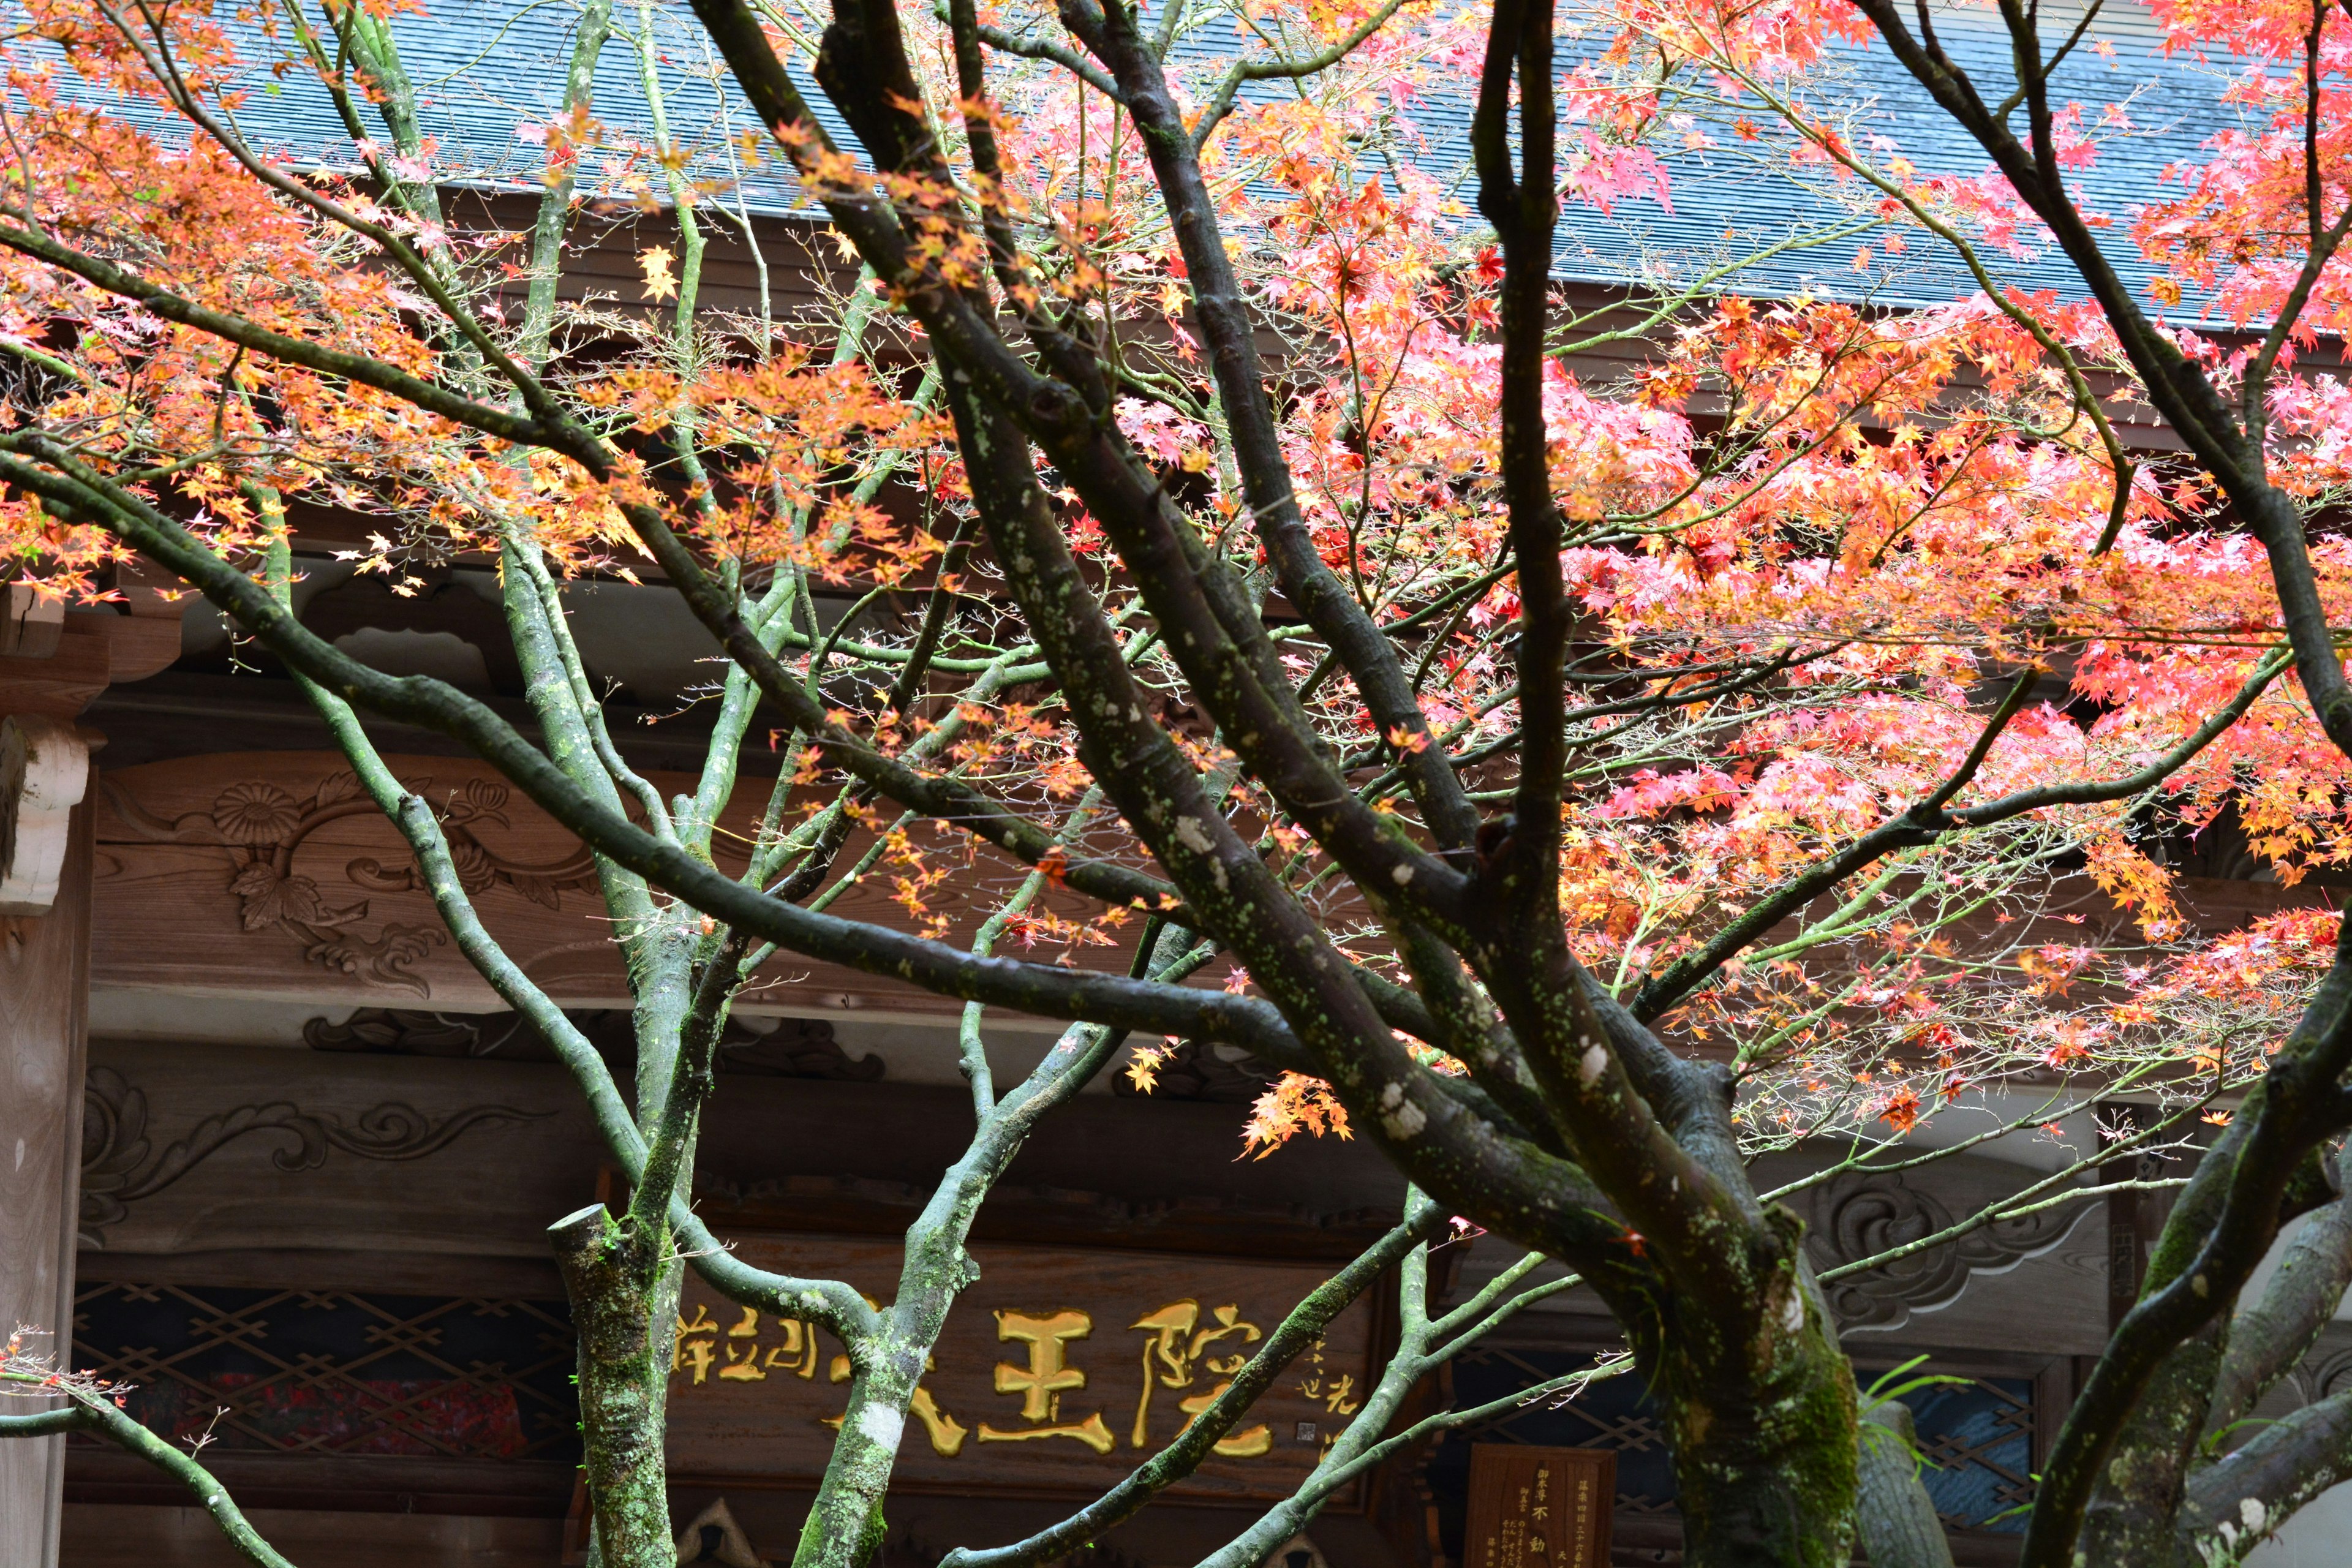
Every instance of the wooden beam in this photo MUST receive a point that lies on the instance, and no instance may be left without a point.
(270, 874)
(62, 672)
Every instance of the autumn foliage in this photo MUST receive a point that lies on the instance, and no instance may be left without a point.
(1840, 585)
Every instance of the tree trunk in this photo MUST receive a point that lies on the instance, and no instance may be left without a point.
(2234, 1504)
(2130, 1521)
(846, 1526)
(1897, 1518)
(1769, 1484)
(1760, 1416)
(623, 1369)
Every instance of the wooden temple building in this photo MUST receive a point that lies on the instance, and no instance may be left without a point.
(271, 1151)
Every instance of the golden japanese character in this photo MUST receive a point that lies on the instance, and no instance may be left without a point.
(797, 1353)
(687, 1351)
(1246, 1444)
(694, 1353)
(1049, 1375)
(1176, 1345)
(946, 1433)
(744, 1364)
(1044, 1379)
(944, 1430)
(1337, 1395)
(1094, 1432)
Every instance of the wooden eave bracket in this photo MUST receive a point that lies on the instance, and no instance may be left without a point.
(44, 770)
(54, 662)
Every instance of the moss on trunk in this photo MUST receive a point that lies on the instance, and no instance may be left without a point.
(614, 1292)
(1759, 1403)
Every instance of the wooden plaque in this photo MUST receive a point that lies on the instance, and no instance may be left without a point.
(1539, 1508)
(1059, 1372)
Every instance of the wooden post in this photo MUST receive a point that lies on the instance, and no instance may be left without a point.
(2128, 1236)
(54, 662)
(43, 1013)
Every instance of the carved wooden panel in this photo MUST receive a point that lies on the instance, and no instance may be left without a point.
(1059, 1372)
(270, 873)
(1862, 1214)
(219, 1150)
(2050, 1268)
(1969, 1293)
(422, 1170)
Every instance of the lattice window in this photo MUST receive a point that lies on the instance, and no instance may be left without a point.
(326, 1372)
(1613, 1414)
(1977, 1436)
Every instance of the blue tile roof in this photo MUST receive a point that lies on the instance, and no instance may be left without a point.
(1752, 191)
(1737, 199)
(483, 70)
(483, 67)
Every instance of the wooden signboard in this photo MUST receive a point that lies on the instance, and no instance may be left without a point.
(1539, 1508)
(1059, 1372)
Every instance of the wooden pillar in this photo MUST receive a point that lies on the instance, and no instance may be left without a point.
(44, 1008)
(2127, 1238)
(54, 662)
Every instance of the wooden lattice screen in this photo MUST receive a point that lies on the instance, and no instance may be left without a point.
(330, 1372)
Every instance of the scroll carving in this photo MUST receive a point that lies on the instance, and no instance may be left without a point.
(120, 1165)
(1863, 1214)
(413, 1032)
(480, 803)
(2325, 1372)
(262, 825)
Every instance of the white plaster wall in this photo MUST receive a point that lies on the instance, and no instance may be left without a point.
(2318, 1537)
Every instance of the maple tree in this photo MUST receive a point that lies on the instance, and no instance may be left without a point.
(2248, 241)
(1571, 789)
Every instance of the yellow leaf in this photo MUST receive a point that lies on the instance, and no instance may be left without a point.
(661, 283)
